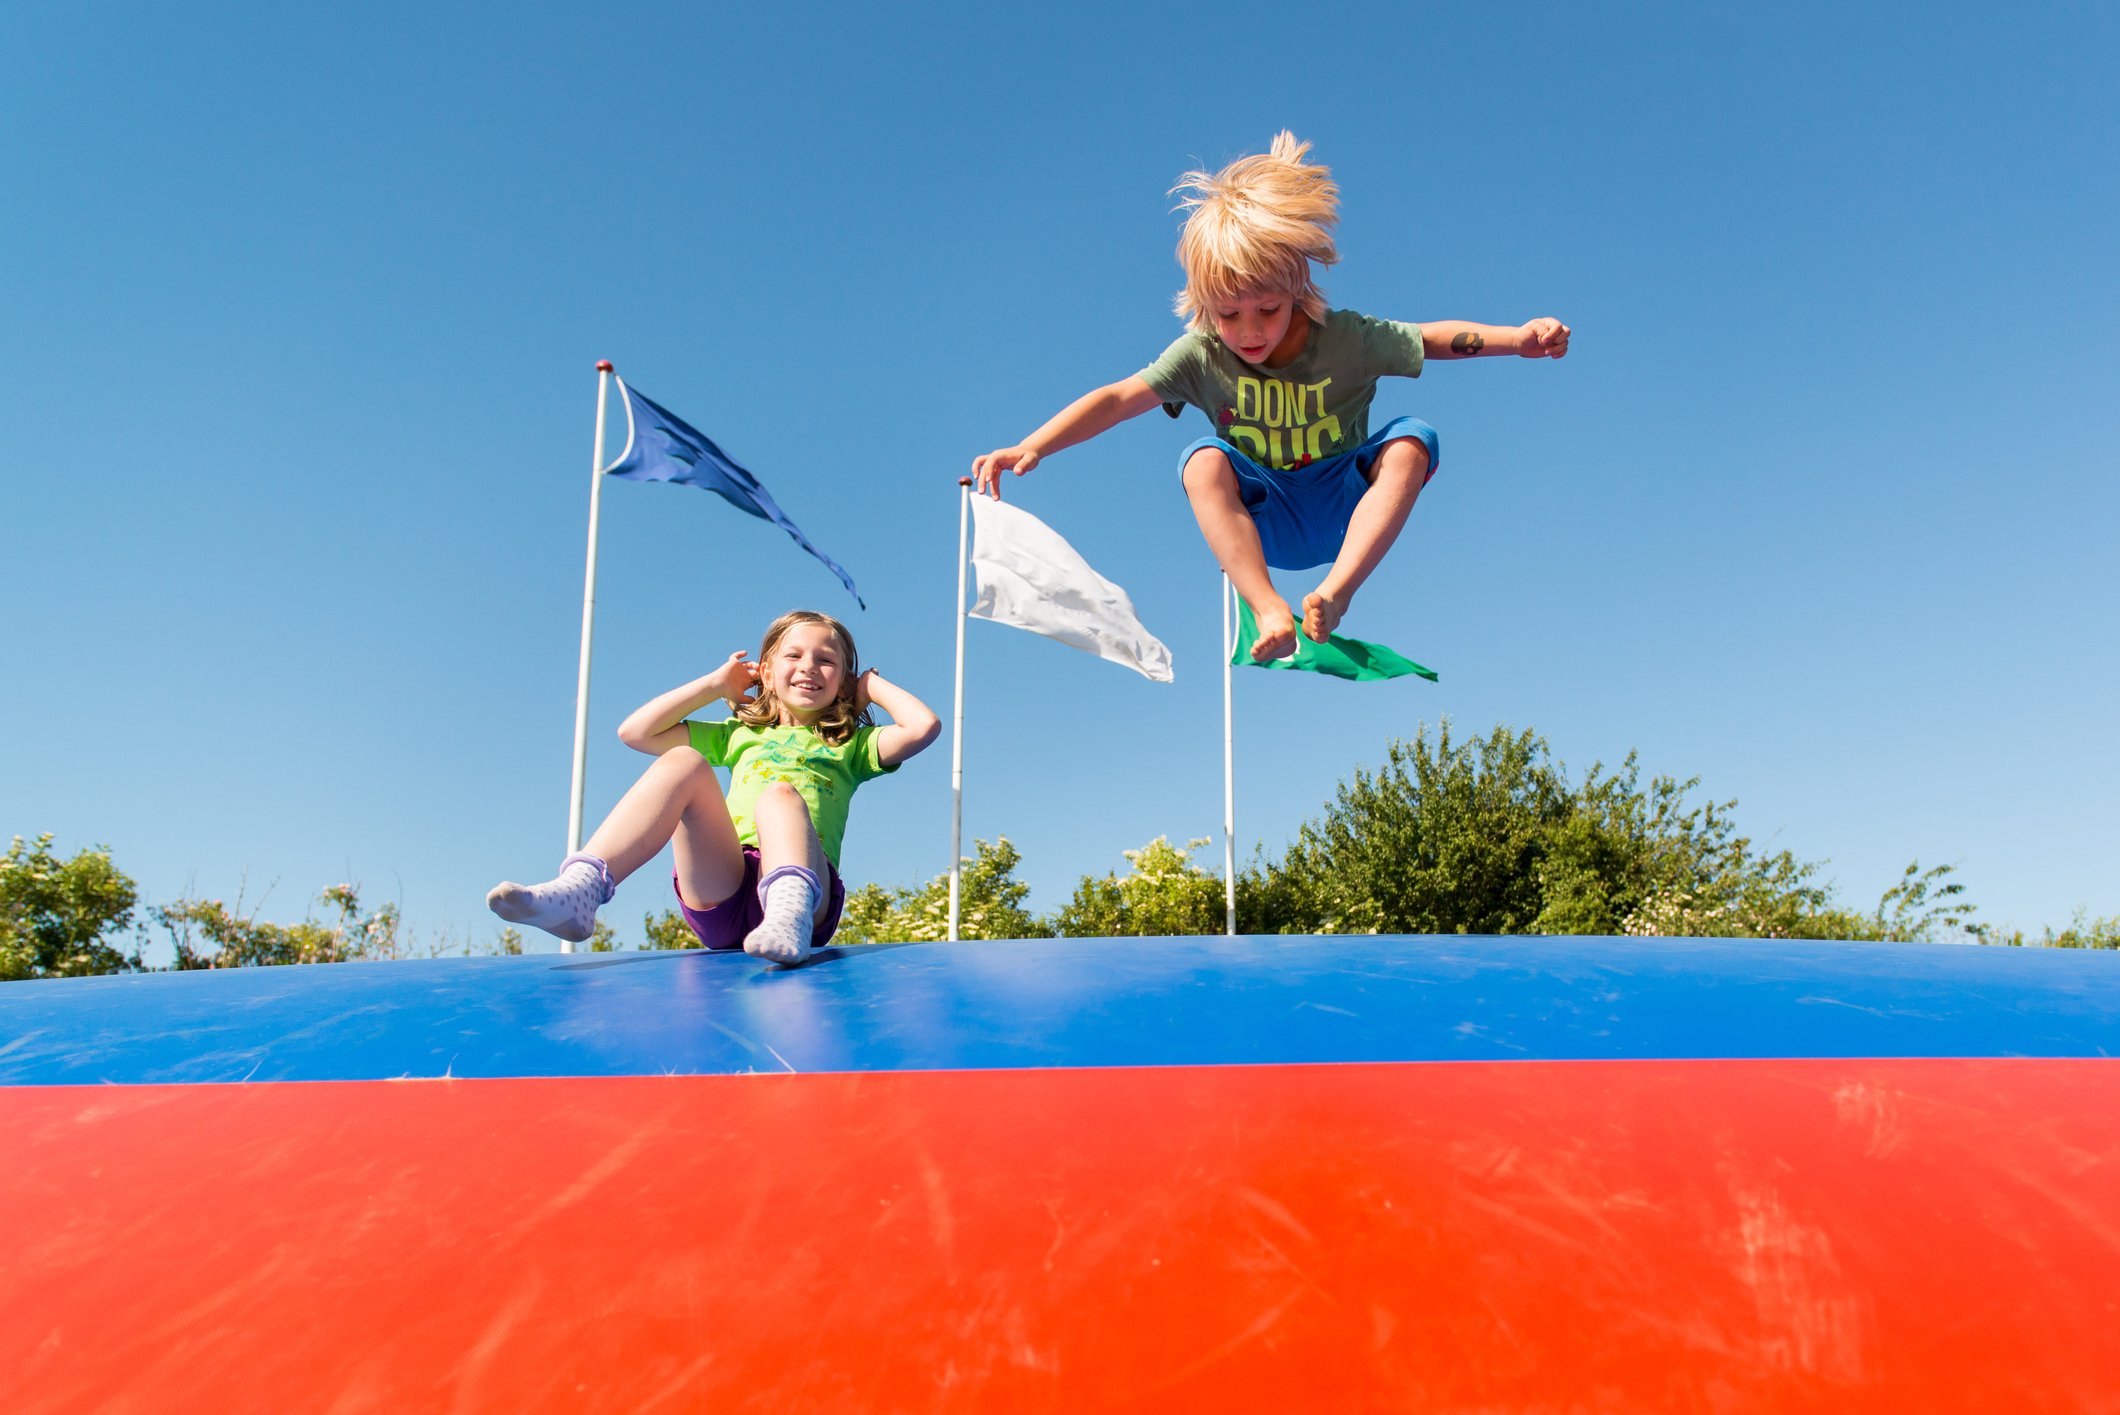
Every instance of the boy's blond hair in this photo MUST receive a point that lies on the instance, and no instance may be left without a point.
(838, 721)
(1256, 226)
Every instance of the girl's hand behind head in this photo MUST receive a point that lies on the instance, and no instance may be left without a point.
(861, 690)
(739, 679)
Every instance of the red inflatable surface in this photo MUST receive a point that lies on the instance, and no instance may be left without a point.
(1823, 1234)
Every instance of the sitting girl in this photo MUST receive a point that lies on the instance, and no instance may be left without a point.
(758, 867)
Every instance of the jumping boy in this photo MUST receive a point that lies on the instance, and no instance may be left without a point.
(1292, 477)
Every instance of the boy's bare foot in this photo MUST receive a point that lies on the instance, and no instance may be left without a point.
(1322, 615)
(1277, 633)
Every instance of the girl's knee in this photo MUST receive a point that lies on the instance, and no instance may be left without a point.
(683, 762)
(688, 777)
(780, 796)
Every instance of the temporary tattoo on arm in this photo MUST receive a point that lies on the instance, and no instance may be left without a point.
(1466, 343)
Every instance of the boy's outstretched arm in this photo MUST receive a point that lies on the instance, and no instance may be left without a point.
(1097, 411)
(1459, 339)
(913, 725)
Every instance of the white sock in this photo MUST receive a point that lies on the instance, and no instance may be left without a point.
(783, 935)
(564, 905)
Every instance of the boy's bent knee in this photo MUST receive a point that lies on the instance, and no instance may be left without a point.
(1400, 457)
(1410, 451)
(1208, 466)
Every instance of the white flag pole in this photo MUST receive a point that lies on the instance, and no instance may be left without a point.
(581, 682)
(1229, 770)
(964, 513)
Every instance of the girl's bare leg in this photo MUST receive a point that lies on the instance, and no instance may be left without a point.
(677, 797)
(1395, 480)
(1211, 486)
(792, 871)
(703, 841)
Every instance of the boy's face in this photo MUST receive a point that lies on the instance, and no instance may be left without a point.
(808, 668)
(1260, 328)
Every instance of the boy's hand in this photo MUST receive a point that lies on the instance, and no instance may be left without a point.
(1544, 339)
(987, 470)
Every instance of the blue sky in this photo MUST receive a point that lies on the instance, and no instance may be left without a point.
(303, 305)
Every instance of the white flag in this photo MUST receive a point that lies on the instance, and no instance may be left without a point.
(1030, 577)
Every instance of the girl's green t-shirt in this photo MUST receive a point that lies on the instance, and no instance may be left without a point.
(823, 775)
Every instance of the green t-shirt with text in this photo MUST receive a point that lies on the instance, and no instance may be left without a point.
(1315, 406)
(823, 775)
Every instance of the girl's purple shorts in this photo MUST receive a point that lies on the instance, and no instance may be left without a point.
(729, 922)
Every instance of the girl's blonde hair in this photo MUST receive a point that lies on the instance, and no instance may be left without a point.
(1256, 226)
(842, 717)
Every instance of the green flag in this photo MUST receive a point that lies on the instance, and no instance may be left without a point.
(1336, 657)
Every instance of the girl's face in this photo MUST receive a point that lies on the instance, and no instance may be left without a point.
(807, 670)
(1261, 328)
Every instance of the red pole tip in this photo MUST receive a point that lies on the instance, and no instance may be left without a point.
(603, 366)
(964, 481)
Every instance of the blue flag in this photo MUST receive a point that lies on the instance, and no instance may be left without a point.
(661, 446)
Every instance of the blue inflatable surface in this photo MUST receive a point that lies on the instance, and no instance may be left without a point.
(1064, 1003)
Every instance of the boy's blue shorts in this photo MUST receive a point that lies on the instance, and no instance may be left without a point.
(1302, 513)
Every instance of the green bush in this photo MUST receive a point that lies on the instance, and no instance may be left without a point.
(57, 917)
(990, 904)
